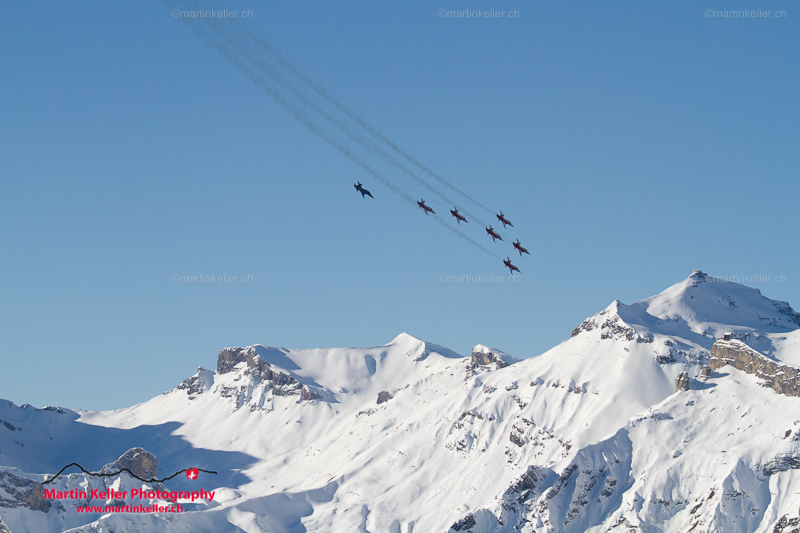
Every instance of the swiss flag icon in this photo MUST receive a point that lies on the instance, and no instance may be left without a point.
(191, 473)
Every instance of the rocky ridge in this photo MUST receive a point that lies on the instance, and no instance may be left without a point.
(138, 461)
(782, 378)
(260, 380)
(589, 436)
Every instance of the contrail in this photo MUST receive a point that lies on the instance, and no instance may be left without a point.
(316, 87)
(464, 236)
(276, 77)
(325, 135)
(258, 61)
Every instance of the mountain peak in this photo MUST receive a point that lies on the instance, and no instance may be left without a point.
(711, 304)
(698, 274)
(701, 308)
(405, 337)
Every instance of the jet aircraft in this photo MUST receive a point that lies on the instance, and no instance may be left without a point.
(511, 268)
(520, 249)
(424, 207)
(364, 192)
(502, 218)
(459, 218)
(495, 236)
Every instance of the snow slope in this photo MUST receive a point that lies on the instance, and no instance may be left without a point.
(410, 436)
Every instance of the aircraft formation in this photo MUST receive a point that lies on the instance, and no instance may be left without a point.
(461, 218)
(333, 122)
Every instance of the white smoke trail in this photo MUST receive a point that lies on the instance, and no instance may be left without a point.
(309, 123)
(242, 51)
(316, 87)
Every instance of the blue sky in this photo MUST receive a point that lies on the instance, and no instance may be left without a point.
(628, 142)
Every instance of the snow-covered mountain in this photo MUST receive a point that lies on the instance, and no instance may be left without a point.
(589, 436)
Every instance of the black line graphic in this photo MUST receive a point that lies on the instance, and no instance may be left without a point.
(97, 474)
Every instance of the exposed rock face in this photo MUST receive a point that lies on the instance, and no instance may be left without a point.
(682, 382)
(782, 463)
(617, 329)
(36, 500)
(784, 379)
(784, 523)
(586, 325)
(678, 352)
(785, 309)
(3, 526)
(21, 492)
(10, 427)
(528, 487)
(384, 396)
(464, 524)
(280, 383)
(698, 275)
(516, 439)
(193, 385)
(142, 463)
(230, 357)
(612, 328)
(308, 394)
(486, 358)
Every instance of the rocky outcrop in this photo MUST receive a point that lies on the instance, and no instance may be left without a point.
(464, 524)
(782, 463)
(682, 382)
(612, 328)
(35, 499)
(678, 352)
(308, 394)
(516, 439)
(10, 427)
(193, 385)
(139, 461)
(528, 486)
(783, 379)
(228, 358)
(784, 522)
(487, 358)
(384, 396)
(484, 358)
(616, 328)
(698, 276)
(281, 383)
(586, 325)
(785, 309)
(18, 491)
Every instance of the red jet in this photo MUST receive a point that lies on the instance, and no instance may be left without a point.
(459, 218)
(511, 268)
(502, 218)
(495, 236)
(520, 249)
(424, 207)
